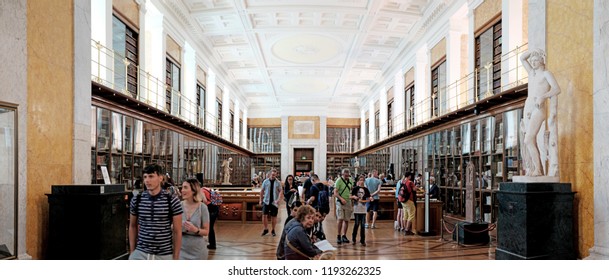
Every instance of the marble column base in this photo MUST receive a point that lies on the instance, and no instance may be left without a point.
(535, 179)
(598, 253)
(24, 257)
(535, 221)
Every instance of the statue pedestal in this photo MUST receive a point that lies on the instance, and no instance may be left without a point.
(535, 221)
(535, 179)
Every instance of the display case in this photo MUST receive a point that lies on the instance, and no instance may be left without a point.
(490, 144)
(336, 162)
(264, 163)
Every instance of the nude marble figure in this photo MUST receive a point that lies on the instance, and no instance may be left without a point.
(542, 87)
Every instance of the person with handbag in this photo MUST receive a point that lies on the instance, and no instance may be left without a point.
(290, 192)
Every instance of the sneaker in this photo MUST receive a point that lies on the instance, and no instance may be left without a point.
(373, 226)
(211, 247)
(366, 225)
(344, 239)
(362, 242)
(338, 240)
(264, 232)
(273, 233)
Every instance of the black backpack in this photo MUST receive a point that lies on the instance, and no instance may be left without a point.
(323, 200)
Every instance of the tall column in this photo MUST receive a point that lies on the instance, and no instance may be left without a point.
(511, 38)
(383, 117)
(421, 80)
(454, 59)
(50, 103)
(189, 83)
(14, 80)
(236, 123)
(537, 24)
(322, 159)
(226, 113)
(244, 140)
(153, 87)
(101, 32)
(141, 40)
(601, 131)
(371, 123)
(471, 52)
(81, 142)
(363, 135)
(210, 96)
(399, 116)
(287, 155)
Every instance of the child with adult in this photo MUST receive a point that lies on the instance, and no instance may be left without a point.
(361, 196)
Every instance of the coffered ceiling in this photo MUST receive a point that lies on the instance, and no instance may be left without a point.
(304, 54)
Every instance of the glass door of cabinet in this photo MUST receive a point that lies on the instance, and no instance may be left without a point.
(512, 152)
(498, 167)
(8, 182)
(487, 132)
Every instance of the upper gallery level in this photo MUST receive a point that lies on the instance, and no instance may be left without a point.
(440, 57)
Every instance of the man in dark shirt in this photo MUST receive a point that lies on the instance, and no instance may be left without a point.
(306, 186)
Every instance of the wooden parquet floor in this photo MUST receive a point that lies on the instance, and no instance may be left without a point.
(242, 241)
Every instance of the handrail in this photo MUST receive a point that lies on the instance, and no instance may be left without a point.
(458, 95)
(113, 70)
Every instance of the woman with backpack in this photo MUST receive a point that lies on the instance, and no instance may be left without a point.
(214, 211)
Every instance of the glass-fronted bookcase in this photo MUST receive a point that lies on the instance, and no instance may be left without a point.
(491, 144)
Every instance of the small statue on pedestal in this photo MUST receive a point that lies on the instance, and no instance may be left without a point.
(226, 171)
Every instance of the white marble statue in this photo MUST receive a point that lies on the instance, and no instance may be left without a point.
(538, 135)
(226, 171)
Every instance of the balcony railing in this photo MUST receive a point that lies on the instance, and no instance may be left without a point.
(112, 70)
(460, 94)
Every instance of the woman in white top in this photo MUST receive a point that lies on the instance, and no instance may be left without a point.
(195, 222)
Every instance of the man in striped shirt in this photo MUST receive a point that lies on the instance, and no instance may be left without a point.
(153, 212)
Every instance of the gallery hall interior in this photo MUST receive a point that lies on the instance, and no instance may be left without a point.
(381, 129)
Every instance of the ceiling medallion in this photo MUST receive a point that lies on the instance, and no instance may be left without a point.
(306, 48)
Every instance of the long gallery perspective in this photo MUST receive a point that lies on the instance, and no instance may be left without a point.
(382, 129)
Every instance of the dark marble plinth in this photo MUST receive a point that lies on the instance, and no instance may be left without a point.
(87, 189)
(535, 221)
(471, 233)
(85, 224)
